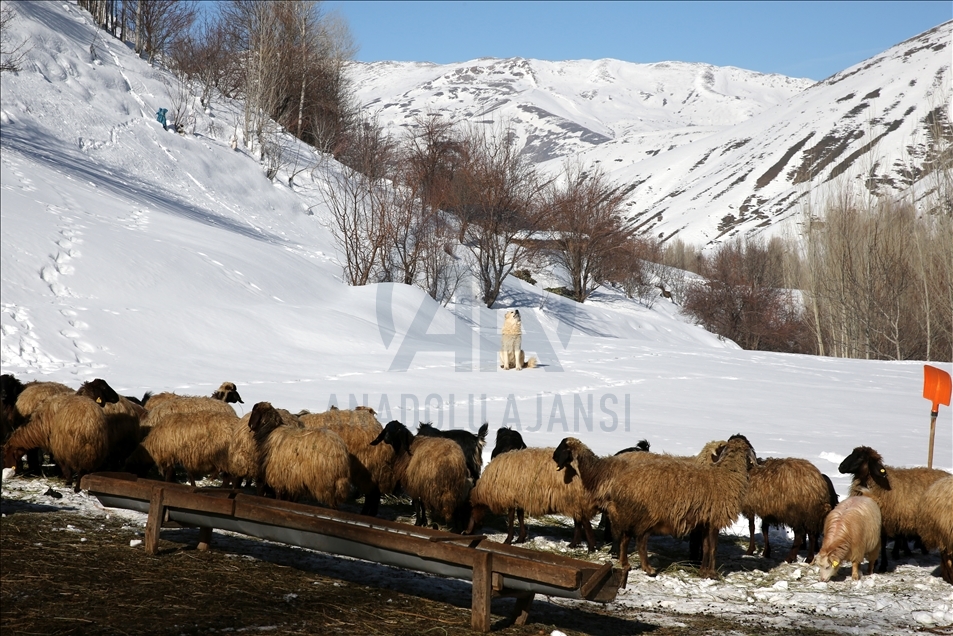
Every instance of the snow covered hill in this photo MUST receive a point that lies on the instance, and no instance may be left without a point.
(563, 108)
(707, 152)
(164, 261)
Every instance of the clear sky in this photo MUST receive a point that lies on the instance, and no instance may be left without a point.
(798, 39)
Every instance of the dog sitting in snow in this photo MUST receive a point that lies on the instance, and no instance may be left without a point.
(511, 352)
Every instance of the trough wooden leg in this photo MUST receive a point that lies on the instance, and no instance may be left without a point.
(154, 522)
(482, 591)
(205, 538)
(521, 609)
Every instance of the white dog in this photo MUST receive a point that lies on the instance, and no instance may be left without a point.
(511, 352)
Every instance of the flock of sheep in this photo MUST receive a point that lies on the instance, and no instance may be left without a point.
(341, 454)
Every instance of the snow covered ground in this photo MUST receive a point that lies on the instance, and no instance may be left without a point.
(161, 261)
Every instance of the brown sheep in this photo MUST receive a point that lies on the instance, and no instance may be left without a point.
(9, 418)
(34, 393)
(431, 470)
(896, 490)
(71, 427)
(122, 422)
(243, 459)
(526, 481)
(664, 495)
(295, 460)
(851, 532)
(788, 491)
(198, 442)
(372, 466)
(935, 521)
(227, 393)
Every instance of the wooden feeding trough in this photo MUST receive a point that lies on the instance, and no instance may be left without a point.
(495, 569)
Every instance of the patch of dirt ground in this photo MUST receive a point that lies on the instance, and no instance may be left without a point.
(62, 572)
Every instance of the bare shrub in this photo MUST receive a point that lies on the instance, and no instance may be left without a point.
(740, 298)
(589, 236)
(495, 197)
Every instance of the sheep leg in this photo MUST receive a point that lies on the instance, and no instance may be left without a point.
(811, 538)
(421, 513)
(624, 551)
(520, 516)
(642, 543)
(855, 570)
(624, 558)
(67, 475)
(590, 537)
(900, 542)
(765, 527)
(883, 553)
(510, 514)
(576, 534)
(799, 539)
(372, 502)
(946, 566)
(604, 523)
(751, 541)
(708, 558)
(696, 544)
(871, 557)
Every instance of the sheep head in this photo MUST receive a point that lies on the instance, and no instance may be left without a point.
(139, 462)
(864, 463)
(397, 435)
(506, 440)
(827, 565)
(739, 442)
(10, 389)
(227, 393)
(10, 455)
(566, 452)
(264, 418)
(98, 391)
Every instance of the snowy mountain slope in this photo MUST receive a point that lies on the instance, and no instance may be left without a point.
(706, 152)
(162, 261)
(874, 118)
(563, 108)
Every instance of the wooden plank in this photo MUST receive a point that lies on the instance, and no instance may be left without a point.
(154, 521)
(473, 540)
(482, 592)
(520, 567)
(595, 579)
(201, 502)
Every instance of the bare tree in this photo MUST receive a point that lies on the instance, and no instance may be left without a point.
(359, 196)
(157, 24)
(494, 195)
(11, 51)
(589, 234)
(740, 299)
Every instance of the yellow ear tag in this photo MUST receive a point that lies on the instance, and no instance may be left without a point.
(99, 400)
(834, 564)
